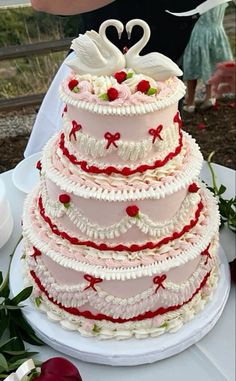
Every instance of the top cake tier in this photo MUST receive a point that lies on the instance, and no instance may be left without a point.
(137, 125)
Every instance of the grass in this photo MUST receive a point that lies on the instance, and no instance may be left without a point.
(31, 75)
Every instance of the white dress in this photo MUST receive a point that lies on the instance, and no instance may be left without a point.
(48, 120)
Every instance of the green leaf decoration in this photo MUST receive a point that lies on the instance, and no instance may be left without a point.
(130, 74)
(23, 295)
(96, 329)
(104, 97)
(3, 363)
(227, 208)
(151, 91)
(38, 301)
(164, 325)
(75, 90)
(9, 307)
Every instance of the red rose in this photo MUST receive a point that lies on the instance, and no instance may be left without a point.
(112, 94)
(132, 210)
(193, 188)
(143, 86)
(72, 84)
(64, 198)
(39, 165)
(58, 369)
(120, 76)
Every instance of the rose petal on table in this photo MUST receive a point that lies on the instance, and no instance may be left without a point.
(201, 126)
(61, 367)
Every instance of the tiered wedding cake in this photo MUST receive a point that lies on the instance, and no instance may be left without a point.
(120, 235)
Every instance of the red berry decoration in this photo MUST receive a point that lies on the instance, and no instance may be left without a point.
(193, 188)
(58, 369)
(39, 165)
(143, 86)
(112, 94)
(72, 84)
(65, 199)
(120, 76)
(132, 211)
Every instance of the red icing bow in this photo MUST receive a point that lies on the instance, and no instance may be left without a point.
(36, 252)
(92, 281)
(207, 254)
(156, 133)
(177, 119)
(76, 127)
(159, 279)
(111, 139)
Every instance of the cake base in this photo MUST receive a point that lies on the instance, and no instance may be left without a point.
(128, 352)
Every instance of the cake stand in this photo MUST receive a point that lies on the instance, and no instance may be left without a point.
(127, 352)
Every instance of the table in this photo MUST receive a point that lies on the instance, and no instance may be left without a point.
(211, 359)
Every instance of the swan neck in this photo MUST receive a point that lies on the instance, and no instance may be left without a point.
(136, 49)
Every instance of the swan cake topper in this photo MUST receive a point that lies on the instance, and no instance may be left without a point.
(97, 55)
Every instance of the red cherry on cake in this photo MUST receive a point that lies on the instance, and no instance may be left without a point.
(65, 199)
(132, 211)
(112, 94)
(143, 86)
(120, 76)
(58, 369)
(193, 188)
(72, 84)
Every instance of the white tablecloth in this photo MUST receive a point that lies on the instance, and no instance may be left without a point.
(211, 359)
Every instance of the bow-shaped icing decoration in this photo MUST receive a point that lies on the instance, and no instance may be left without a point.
(158, 280)
(111, 139)
(156, 133)
(22, 371)
(92, 280)
(76, 127)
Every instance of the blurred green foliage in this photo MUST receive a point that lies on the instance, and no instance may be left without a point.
(24, 25)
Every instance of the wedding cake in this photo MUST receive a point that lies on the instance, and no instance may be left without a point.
(121, 236)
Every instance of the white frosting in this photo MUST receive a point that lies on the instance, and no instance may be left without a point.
(95, 104)
(127, 150)
(95, 231)
(137, 187)
(153, 266)
(169, 322)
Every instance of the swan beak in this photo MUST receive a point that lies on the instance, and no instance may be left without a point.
(119, 35)
(129, 35)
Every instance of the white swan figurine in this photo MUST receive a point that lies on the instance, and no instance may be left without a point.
(95, 54)
(155, 65)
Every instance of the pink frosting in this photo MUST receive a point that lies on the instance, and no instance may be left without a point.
(131, 128)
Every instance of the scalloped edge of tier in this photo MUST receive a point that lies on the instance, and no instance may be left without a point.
(185, 177)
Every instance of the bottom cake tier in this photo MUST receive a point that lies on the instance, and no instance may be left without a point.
(164, 290)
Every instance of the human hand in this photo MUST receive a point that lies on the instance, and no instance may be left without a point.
(223, 79)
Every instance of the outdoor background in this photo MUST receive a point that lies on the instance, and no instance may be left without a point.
(214, 130)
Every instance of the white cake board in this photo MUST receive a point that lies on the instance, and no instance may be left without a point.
(127, 352)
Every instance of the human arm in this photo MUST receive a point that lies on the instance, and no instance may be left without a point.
(65, 7)
(223, 79)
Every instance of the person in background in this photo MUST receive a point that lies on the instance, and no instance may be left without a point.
(223, 80)
(208, 45)
(169, 36)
